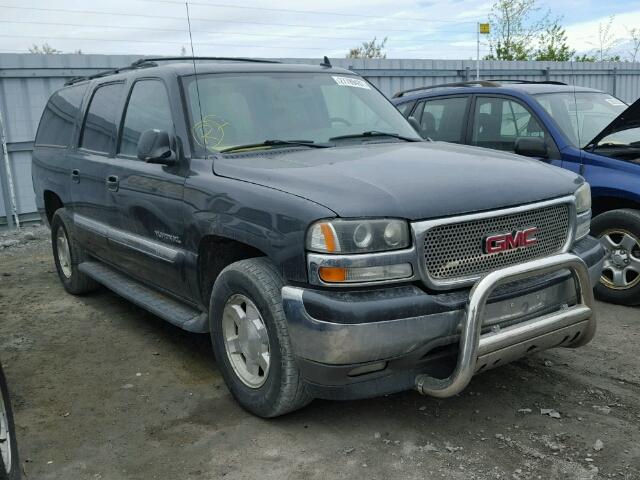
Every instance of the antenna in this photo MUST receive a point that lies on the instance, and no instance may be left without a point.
(325, 62)
(195, 73)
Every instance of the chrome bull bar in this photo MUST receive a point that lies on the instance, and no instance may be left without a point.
(474, 346)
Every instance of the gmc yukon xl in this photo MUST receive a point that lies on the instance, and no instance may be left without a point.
(292, 213)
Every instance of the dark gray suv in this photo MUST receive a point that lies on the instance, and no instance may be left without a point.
(292, 213)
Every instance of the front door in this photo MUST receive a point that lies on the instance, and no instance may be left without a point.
(497, 122)
(148, 238)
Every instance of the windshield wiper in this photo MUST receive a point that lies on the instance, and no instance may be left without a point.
(618, 145)
(276, 143)
(375, 133)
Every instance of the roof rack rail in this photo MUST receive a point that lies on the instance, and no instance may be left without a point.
(494, 82)
(470, 83)
(527, 82)
(104, 73)
(147, 62)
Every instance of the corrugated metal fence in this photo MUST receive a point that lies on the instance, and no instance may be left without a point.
(26, 81)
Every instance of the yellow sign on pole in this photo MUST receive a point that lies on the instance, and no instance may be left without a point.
(485, 28)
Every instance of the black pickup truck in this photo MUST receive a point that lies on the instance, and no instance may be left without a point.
(295, 215)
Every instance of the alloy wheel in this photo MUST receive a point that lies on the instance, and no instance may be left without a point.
(246, 341)
(64, 254)
(621, 268)
(5, 436)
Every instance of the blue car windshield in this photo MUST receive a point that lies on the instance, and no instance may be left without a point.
(583, 115)
(249, 108)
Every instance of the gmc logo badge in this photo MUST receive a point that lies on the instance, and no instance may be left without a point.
(510, 241)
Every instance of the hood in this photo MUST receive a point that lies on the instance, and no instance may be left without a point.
(415, 181)
(628, 119)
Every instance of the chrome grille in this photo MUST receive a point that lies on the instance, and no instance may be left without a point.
(453, 251)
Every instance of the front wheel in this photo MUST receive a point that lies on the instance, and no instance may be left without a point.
(619, 234)
(9, 463)
(251, 341)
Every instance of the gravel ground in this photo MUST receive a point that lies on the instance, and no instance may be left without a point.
(104, 390)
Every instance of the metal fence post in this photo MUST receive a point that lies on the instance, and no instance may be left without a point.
(615, 81)
(6, 179)
(547, 74)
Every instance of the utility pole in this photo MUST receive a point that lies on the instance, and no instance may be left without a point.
(478, 53)
(483, 29)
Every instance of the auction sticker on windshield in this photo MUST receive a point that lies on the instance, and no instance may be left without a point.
(351, 82)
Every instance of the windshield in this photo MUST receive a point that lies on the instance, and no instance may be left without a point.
(583, 115)
(249, 108)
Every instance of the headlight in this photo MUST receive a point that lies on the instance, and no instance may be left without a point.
(583, 198)
(358, 236)
(583, 209)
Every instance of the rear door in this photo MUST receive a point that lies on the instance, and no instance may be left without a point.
(148, 235)
(94, 214)
(443, 118)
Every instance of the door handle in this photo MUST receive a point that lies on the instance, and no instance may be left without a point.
(75, 175)
(113, 183)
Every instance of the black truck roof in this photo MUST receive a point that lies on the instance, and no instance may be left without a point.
(181, 66)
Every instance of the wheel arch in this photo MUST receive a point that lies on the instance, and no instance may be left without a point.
(52, 203)
(216, 252)
(606, 203)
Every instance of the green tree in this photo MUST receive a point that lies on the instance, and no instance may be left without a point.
(634, 34)
(44, 49)
(552, 45)
(371, 49)
(606, 41)
(515, 27)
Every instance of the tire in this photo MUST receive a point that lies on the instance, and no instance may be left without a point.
(280, 388)
(73, 280)
(6, 422)
(619, 233)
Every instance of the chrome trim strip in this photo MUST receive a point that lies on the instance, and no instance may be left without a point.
(473, 345)
(420, 229)
(134, 242)
(393, 257)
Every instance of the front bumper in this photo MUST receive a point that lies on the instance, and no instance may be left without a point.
(354, 344)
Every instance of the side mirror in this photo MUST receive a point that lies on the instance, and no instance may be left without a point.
(155, 146)
(531, 147)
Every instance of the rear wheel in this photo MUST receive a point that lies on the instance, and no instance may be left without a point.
(619, 234)
(9, 462)
(251, 340)
(67, 255)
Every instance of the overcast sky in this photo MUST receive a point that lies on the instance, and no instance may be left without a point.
(282, 28)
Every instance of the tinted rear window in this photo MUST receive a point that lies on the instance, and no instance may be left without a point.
(99, 131)
(58, 118)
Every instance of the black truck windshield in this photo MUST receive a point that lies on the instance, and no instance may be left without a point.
(583, 115)
(249, 108)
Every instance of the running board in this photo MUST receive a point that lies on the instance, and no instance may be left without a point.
(165, 307)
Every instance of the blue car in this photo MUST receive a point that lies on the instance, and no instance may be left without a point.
(581, 129)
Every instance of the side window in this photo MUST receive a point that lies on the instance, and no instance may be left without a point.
(148, 109)
(99, 130)
(405, 108)
(498, 122)
(442, 118)
(58, 118)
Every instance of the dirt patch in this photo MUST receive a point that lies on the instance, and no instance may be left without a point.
(104, 390)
